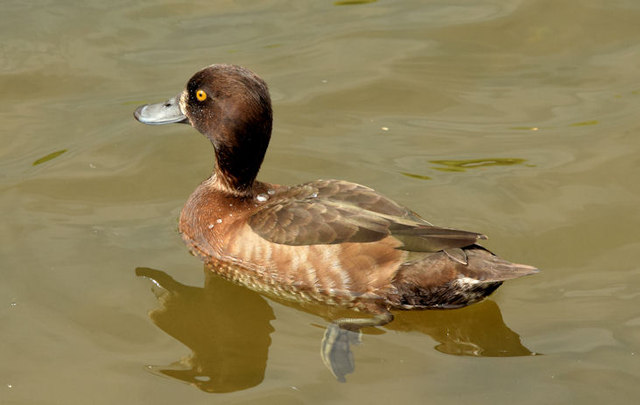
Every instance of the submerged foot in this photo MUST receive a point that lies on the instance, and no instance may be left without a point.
(336, 344)
(336, 350)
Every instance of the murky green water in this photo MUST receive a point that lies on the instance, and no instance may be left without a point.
(518, 119)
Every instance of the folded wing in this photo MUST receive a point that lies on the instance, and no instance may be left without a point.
(330, 211)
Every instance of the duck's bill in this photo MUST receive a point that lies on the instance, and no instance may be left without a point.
(168, 112)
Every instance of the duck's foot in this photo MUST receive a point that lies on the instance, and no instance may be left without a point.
(336, 344)
(355, 324)
(336, 350)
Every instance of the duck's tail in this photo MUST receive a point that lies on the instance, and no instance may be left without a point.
(453, 278)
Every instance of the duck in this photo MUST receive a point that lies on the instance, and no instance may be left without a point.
(327, 242)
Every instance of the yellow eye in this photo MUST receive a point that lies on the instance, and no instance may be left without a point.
(201, 95)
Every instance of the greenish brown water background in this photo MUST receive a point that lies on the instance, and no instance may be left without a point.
(518, 119)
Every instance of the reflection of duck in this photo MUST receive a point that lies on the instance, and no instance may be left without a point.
(478, 330)
(227, 327)
(326, 241)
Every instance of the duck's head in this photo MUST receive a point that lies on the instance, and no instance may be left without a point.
(231, 106)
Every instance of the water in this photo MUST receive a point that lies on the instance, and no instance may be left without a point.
(517, 119)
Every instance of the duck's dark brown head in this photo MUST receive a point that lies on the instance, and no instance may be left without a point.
(231, 106)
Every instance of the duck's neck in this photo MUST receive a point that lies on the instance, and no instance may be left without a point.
(238, 159)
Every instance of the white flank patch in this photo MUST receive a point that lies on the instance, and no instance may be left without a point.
(467, 281)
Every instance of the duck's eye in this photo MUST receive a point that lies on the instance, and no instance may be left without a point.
(201, 95)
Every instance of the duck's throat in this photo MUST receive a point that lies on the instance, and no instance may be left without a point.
(240, 145)
(237, 168)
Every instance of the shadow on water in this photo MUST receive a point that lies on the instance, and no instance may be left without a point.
(227, 328)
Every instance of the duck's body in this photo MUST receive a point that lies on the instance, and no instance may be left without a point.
(285, 241)
(326, 241)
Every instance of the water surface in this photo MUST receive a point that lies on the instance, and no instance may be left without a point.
(517, 119)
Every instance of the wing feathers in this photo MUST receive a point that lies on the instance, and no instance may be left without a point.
(328, 212)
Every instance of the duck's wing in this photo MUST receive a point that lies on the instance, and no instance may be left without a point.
(362, 197)
(329, 212)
